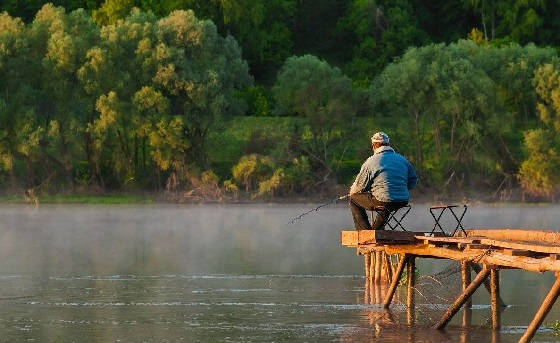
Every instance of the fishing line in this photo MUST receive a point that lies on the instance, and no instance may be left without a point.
(295, 219)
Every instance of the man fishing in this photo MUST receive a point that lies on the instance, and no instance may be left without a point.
(382, 184)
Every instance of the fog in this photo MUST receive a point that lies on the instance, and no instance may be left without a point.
(190, 271)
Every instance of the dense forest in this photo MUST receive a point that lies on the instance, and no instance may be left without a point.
(227, 99)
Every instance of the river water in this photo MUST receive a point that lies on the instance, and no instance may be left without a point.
(235, 273)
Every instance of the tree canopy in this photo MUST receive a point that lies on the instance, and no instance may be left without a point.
(277, 97)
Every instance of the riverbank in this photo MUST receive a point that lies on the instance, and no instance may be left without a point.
(163, 198)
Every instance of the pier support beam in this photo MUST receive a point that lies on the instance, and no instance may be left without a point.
(466, 280)
(389, 268)
(397, 278)
(464, 297)
(495, 297)
(542, 312)
(411, 267)
(367, 263)
(477, 270)
(378, 266)
(372, 266)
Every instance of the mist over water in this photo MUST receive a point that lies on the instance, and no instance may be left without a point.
(226, 273)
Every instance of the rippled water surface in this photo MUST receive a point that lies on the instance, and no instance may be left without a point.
(235, 273)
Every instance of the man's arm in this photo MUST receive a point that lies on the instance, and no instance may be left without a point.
(361, 181)
(412, 177)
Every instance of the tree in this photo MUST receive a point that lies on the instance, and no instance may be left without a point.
(438, 87)
(538, 174)
(199, 75)
(515, 20)
(310, 87)
(13, 93)
(160, 85)
(111, 11)
(376, 32)
(61, 41)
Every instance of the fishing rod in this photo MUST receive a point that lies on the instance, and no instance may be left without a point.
(295, 219)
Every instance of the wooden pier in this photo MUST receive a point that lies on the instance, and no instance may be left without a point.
(387, 254)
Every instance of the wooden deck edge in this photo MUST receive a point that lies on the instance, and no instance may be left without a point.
(490, 257)
(548, 236)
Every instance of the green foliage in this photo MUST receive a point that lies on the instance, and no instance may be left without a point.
(310, 87)
(270, 186)
(251, 170)
(538, 174)
(378, 31)
(555, 327)
(454, 99)
(125, 94)
(111, 11)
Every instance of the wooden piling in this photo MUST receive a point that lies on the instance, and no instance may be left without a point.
(372, 266)
(378, 297)
(494, 297)
(477, 269)
(411, 267)
(466, 280)
(542, 312)
(378, 266)
(367, 262)
(460, 301)
(398, 273)
(389, 268)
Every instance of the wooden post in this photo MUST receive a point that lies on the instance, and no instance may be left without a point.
(466, 280)
(378, 297)
(383, 266)
(389, 269)
(372, 299)
(378, 266)
(494, 297)
(477, 269)
(411, 267)
(542, 312)
(456, 306)
(367, 262)
(396, 280)
(372, 266)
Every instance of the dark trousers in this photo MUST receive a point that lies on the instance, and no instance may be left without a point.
(360, 202)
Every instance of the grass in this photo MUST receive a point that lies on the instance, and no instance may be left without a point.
(555, 327)
(83, 199)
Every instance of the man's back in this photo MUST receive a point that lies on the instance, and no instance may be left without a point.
(388, 176)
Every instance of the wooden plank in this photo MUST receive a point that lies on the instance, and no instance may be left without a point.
(538, 265)
(349, 237)
(516, 252)
(517, 234)
(361, 237)
(448, 239)
(384, 236)
(542, 247)
(477, 246)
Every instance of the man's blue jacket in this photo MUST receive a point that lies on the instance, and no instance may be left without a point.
(387, 175)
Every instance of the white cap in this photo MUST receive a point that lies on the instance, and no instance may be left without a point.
(380, 137)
